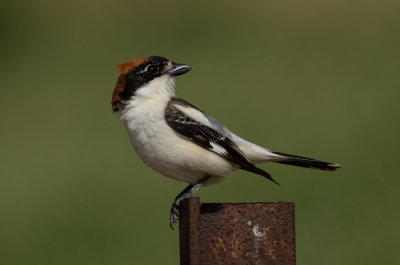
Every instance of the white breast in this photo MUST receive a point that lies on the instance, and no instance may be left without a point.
(162, 149)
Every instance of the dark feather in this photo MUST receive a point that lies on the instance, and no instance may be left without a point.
(302, 161)
(203, 136)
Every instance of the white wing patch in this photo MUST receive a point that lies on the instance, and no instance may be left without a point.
(194, 114)
(218, 149)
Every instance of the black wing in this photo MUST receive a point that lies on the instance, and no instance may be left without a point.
(205, 136)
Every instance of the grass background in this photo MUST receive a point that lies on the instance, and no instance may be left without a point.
(313, 78)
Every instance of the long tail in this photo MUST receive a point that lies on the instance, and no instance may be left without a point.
(301, 161)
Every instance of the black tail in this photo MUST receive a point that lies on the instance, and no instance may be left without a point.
(301, 161)
(252, 168)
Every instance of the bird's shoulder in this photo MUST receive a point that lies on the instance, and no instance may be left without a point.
(180, 109)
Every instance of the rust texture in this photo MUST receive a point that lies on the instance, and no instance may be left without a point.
(237, 233)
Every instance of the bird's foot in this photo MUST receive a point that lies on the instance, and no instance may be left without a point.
(186, 193)
(174, 213)
(176, 206)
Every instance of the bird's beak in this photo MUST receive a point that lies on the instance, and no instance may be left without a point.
(178, 69)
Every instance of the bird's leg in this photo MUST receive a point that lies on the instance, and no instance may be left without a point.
(186, 193)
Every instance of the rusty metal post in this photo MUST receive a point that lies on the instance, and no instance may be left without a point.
(237, 233)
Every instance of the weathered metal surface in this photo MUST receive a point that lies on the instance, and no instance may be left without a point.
(237, 233)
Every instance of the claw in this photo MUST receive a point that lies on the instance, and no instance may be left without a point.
(186, 193)
(174, 214)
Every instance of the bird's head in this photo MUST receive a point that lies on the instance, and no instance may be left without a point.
(147, 76)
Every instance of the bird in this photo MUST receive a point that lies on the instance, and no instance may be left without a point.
(181, 141)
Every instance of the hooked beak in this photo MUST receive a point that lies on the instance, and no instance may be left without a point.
(178, 69)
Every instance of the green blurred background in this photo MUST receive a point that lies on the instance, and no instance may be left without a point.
(313, 78)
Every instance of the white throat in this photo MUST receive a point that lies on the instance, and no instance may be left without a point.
(154, 95)
(160, 86)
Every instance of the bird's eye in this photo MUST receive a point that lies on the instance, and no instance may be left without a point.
(152, 69)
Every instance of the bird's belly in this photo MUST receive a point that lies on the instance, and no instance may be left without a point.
(176, 157)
